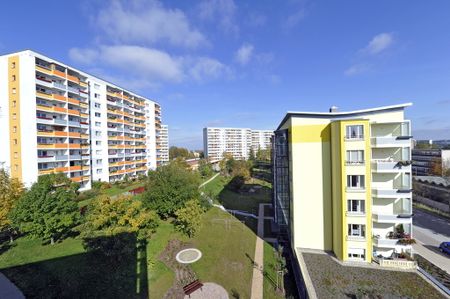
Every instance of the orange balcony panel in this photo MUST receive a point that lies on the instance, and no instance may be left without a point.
(84, 135)
(73, 112)
(59, 73)
(74, 145)
(84, 84)
(73, 101)
(46, 171)
(59, 109)
(75, 168)
(59, 97)
(73, 78)
(61, 169)
(44, 95)
(43, 70)
(74, 134)
(77, 179)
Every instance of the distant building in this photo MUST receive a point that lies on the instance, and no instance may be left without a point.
(236, 141)
(162, 145)
(425, 160)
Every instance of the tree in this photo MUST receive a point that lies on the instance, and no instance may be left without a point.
(48, 210)
(280, 268)
(180, 152)
(205, 168)
(169, 187)
(123, 214)
(251, 155)
(189, 218)
(10, 191)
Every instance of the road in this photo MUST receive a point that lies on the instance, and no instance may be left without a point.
(429, 232)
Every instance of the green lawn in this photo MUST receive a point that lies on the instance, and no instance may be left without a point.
(113, 191)
(216, 185)
(270, 276)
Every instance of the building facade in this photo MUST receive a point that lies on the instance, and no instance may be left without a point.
(430, 161)
(236, 141)
(163, 145)
(342, 181)
(55, 118)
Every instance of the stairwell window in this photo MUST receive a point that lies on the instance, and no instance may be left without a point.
(356, 206)
(357, 230)
(355, 182)
(355, 157)
(354, 132)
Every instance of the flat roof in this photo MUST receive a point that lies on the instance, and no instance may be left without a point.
(42, 56)
(338, 114)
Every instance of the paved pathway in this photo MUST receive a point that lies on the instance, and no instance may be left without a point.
(8, 290)
(258, 278)
(209, 291)
(204, 183)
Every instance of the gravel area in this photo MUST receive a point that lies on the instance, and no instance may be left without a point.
(332, 280)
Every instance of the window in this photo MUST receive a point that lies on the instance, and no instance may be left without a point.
(97, 95)
(357, 253)
(354, 132)
(14, 90)
(13, 65)
(15, 141)
(98, 161)
(357, 230)
(14, 129)
(355, 157)
(99, 171)
(14, 104)
(97, 105)
(98, 152)
(98, 142)
(16, 167)
(96, 86)
(16, 155)
(97, 114)
(98, 133)
(355, 206)
(97, 124)
(13, 78)
(355, 181)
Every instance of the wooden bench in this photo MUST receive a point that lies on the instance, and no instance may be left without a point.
(192, 287)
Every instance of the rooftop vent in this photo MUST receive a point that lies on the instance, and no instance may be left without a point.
(333, 109)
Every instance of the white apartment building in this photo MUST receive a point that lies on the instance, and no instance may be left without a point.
(55, 118)
(236, 141)
(261, 139)
(163, 146)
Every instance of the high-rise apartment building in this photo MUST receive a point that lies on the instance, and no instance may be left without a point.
(342, 181)
(55, 118)
(236, 141)
(261, 139)
(430, 161)
(163, 145)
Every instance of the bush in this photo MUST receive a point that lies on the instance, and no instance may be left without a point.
(236, 183)
(88, 194)
(97, 185)
(189, 218)
(105, 185)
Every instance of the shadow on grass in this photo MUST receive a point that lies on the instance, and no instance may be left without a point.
(112, 267)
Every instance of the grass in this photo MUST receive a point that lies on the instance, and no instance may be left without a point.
(224, 260)
(332, 280)
(270, 276)
(215, 186)
(113, 191)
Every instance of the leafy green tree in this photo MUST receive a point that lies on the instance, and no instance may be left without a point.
(169, 187)
(10, 191)
(48, 210)
(251, 155)
(123, 214)
(189, 218)
(180, 152)
(205, 168)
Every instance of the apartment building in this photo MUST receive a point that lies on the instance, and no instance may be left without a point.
(56, 118)
(162, 145)
(342, 181)
(261, 139)
(430, 161)
(236, 141)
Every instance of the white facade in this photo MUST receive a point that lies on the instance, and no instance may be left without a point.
(164, 144)
(55, 118)
(236, 141)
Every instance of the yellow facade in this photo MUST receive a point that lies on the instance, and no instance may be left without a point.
(14, 117)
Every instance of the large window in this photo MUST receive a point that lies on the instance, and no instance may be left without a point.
(357, 230)
(354, 132)
(355, 206)
(356, 253)
(355, 157)
(355, 181)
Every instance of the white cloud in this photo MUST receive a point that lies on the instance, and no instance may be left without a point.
(148, 22)
(244, 53)
(83, 56)
(295, 18)
(379, 43)
(357, 69)
(204, 68)
(221, 11)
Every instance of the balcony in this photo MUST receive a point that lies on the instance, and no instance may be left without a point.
(400, 191)
(59, 85)
(404, 218)
(52, 145)
(49, 158)
(389, 166)
(391, 141)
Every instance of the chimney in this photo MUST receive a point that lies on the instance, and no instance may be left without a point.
(333, 109)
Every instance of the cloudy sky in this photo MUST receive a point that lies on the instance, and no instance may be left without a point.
(245, 63)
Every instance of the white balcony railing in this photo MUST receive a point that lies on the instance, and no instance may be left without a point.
(387, 166)
(390, 141)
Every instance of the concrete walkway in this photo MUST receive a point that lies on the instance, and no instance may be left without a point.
(204, 183)
(8, 290)
(258, 278)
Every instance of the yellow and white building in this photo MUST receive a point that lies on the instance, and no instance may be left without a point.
(55, 118)
(342, 181)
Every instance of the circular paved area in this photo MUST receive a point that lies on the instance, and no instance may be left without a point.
(188, 256)
(209, 290)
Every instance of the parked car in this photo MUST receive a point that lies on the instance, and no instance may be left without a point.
(445, 247)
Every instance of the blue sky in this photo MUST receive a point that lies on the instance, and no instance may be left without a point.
(245, 63)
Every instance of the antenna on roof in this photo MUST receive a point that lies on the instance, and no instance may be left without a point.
(333, 109)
